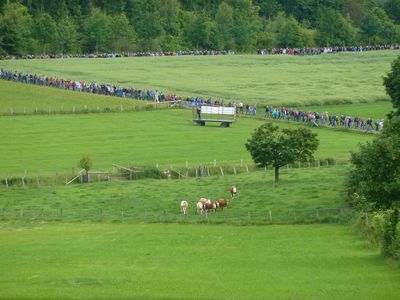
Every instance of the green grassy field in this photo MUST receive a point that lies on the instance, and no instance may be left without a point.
(49, 144)
(18, 98)
(303, 190)
(260, 79)
(175, 261)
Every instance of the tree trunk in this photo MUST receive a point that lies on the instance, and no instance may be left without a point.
(276, 175)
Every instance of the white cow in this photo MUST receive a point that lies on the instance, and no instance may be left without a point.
(201, 205)
(184, 207)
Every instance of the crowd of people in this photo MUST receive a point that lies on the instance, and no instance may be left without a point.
(313, 118)
(273, 51)
(324, 119)
(326, 50)
(118, 55)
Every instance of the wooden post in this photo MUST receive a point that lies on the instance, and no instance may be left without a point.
(270, 216)
(122, 216)
(145, 216)
(61, 213)
(6, 182)
(37, 180)
(222, 172)
(317, 214)
(248, 217)
(42, 214)
(23, 181)
(234, 170)
(21, 213)
(215, 162)
(247, 168)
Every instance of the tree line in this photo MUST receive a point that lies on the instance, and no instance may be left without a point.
(93, 26)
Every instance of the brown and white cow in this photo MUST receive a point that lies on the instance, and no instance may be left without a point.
(223, 203)
(184, 207)
(233, 191)
(202, 205)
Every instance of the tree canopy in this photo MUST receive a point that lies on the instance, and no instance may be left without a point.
(270, 146)
(76, 26)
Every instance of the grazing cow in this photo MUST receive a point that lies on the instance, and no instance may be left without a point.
(200, 207)
(223, 203)
(184, 207)
(233, 191)
(211, 206)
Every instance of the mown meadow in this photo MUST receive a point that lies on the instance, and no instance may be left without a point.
(54, 144)
(174, 261)
(295, 80)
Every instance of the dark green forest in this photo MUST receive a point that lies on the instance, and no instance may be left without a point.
(98, 26)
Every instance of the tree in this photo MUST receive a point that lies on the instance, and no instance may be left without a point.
(392, 85)
(86, 164)
(392, 8)
(97, 31)
(68, 37)
(44, 30)
(224, 20)
(290, 36)
(375, 178)
(15, 29)
(271, 146)
(334, 29)
(122, 34)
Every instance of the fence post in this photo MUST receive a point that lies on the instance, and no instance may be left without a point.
(295, 216)
(270, 216)
(42, 214)
(21, 213)
(122, 216)
(6, 182)
(248, 217)
(37, 180)
(215, 163)
(61, 213)
(222, 172)
(234, 170)
(247, 168)
(241, 163)
(317, 214)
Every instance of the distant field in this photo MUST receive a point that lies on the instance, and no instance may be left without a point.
(191, 262)
(297, 80)
(21, 98)
(49, 144)
(303, 190)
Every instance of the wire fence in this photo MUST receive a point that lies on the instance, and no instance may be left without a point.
(88, 109)
(130, 172)
(226, 216)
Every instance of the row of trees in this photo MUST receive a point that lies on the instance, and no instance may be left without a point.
(77, 26)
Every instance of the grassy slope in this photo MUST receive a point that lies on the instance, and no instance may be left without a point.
(51, 144)
(262, 79)
(191, 262)
(300, 189)
(20, 97)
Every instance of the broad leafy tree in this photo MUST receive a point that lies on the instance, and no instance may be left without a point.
(270, 146)
(15, 29)
(44, 30)
(374, 183)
